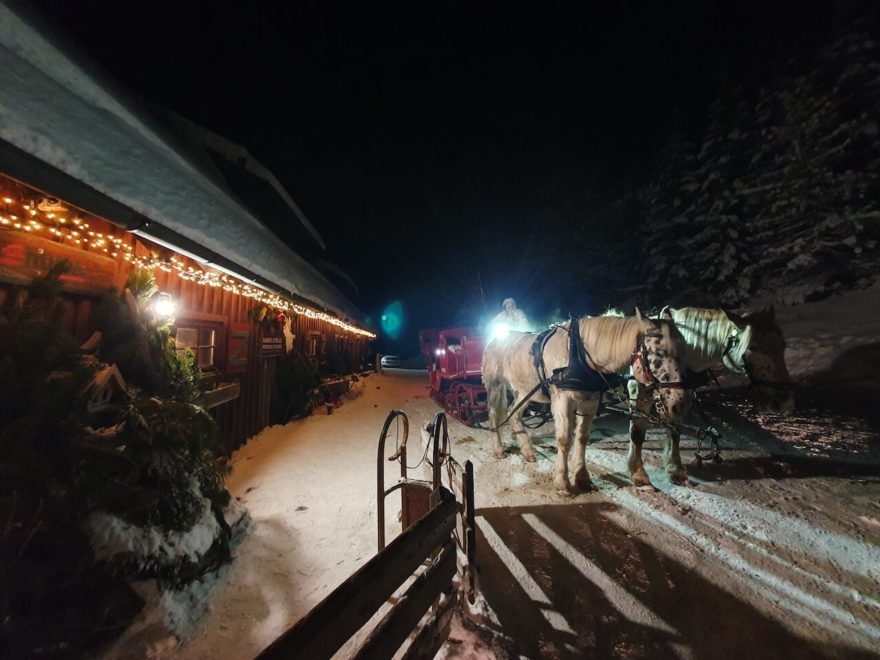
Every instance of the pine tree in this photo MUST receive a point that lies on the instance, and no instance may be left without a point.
(781, 200)
(667, 202)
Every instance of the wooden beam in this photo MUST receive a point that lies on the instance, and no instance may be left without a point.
(470, 531)
(342, 613)
(225, 393)
(433, 634)
(398, 623)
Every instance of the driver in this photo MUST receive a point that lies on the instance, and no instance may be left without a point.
(511, 316)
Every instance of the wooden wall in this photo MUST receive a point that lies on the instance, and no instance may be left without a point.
(249, 413)
(241, 418)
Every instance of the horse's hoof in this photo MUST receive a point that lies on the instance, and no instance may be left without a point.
(564, 487)
(583, 482)
(647, 488)
(498, 453)
(529, 457)
(640, 480)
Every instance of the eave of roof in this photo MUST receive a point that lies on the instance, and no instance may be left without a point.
(203, 139)
(65, 117)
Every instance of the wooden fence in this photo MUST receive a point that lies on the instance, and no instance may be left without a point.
(345, 611)
(432, 540)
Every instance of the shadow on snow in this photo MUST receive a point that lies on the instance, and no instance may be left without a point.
(636, 603)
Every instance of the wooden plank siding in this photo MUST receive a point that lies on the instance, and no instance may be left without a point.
(240, 418)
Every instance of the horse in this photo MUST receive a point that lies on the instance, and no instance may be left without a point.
(751, 346)
(604, 346)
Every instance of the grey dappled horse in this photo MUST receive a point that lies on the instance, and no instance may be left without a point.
(751, 345)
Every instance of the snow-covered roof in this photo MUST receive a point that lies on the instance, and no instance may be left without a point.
(77, 122)
(234, 167)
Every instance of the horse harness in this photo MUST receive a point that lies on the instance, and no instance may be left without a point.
(577, 375)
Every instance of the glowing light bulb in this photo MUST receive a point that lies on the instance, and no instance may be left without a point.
(499, 331)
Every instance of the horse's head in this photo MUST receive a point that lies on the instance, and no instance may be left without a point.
(656, 365)
(763, 360)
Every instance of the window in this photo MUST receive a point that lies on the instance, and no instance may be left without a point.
(312, 346)
(202, 341)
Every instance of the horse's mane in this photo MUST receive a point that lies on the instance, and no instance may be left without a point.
(610, 340)
(706, 333)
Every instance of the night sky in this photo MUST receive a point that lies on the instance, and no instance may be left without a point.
(413, 134)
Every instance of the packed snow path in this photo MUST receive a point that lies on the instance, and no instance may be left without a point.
(758, 558)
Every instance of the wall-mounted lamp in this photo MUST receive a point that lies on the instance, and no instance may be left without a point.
(164, 308)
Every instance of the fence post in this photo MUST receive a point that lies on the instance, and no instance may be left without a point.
(470, 530)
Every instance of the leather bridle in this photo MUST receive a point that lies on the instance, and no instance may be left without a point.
(744, 369)
(642, 354)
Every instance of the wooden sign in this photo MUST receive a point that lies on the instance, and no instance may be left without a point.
(24, 256)
(238, 343)
(271, 340)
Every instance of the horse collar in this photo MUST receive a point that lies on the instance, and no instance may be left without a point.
(578, 375)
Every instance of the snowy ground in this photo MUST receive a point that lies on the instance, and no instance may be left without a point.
(775, 552)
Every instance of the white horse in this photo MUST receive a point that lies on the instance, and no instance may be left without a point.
(752, 346)
(607, 345)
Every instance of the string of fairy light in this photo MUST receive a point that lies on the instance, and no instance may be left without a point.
(73, 230)
(26, 216)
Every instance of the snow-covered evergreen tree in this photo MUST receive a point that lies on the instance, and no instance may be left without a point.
(781, 201)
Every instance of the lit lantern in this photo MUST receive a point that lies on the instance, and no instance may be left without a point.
(164, 307)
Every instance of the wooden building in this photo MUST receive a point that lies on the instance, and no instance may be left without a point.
(88, 175)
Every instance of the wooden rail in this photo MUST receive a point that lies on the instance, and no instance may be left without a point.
(400, 621)
(342, 613)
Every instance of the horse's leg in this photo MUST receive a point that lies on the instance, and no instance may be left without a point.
(586, 411)
(672, 459)
(563, 406)
(641, 401)
(496, 400)
(519, 431)
(637, 429)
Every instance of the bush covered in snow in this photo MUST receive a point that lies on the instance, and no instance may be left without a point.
(93, 497)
